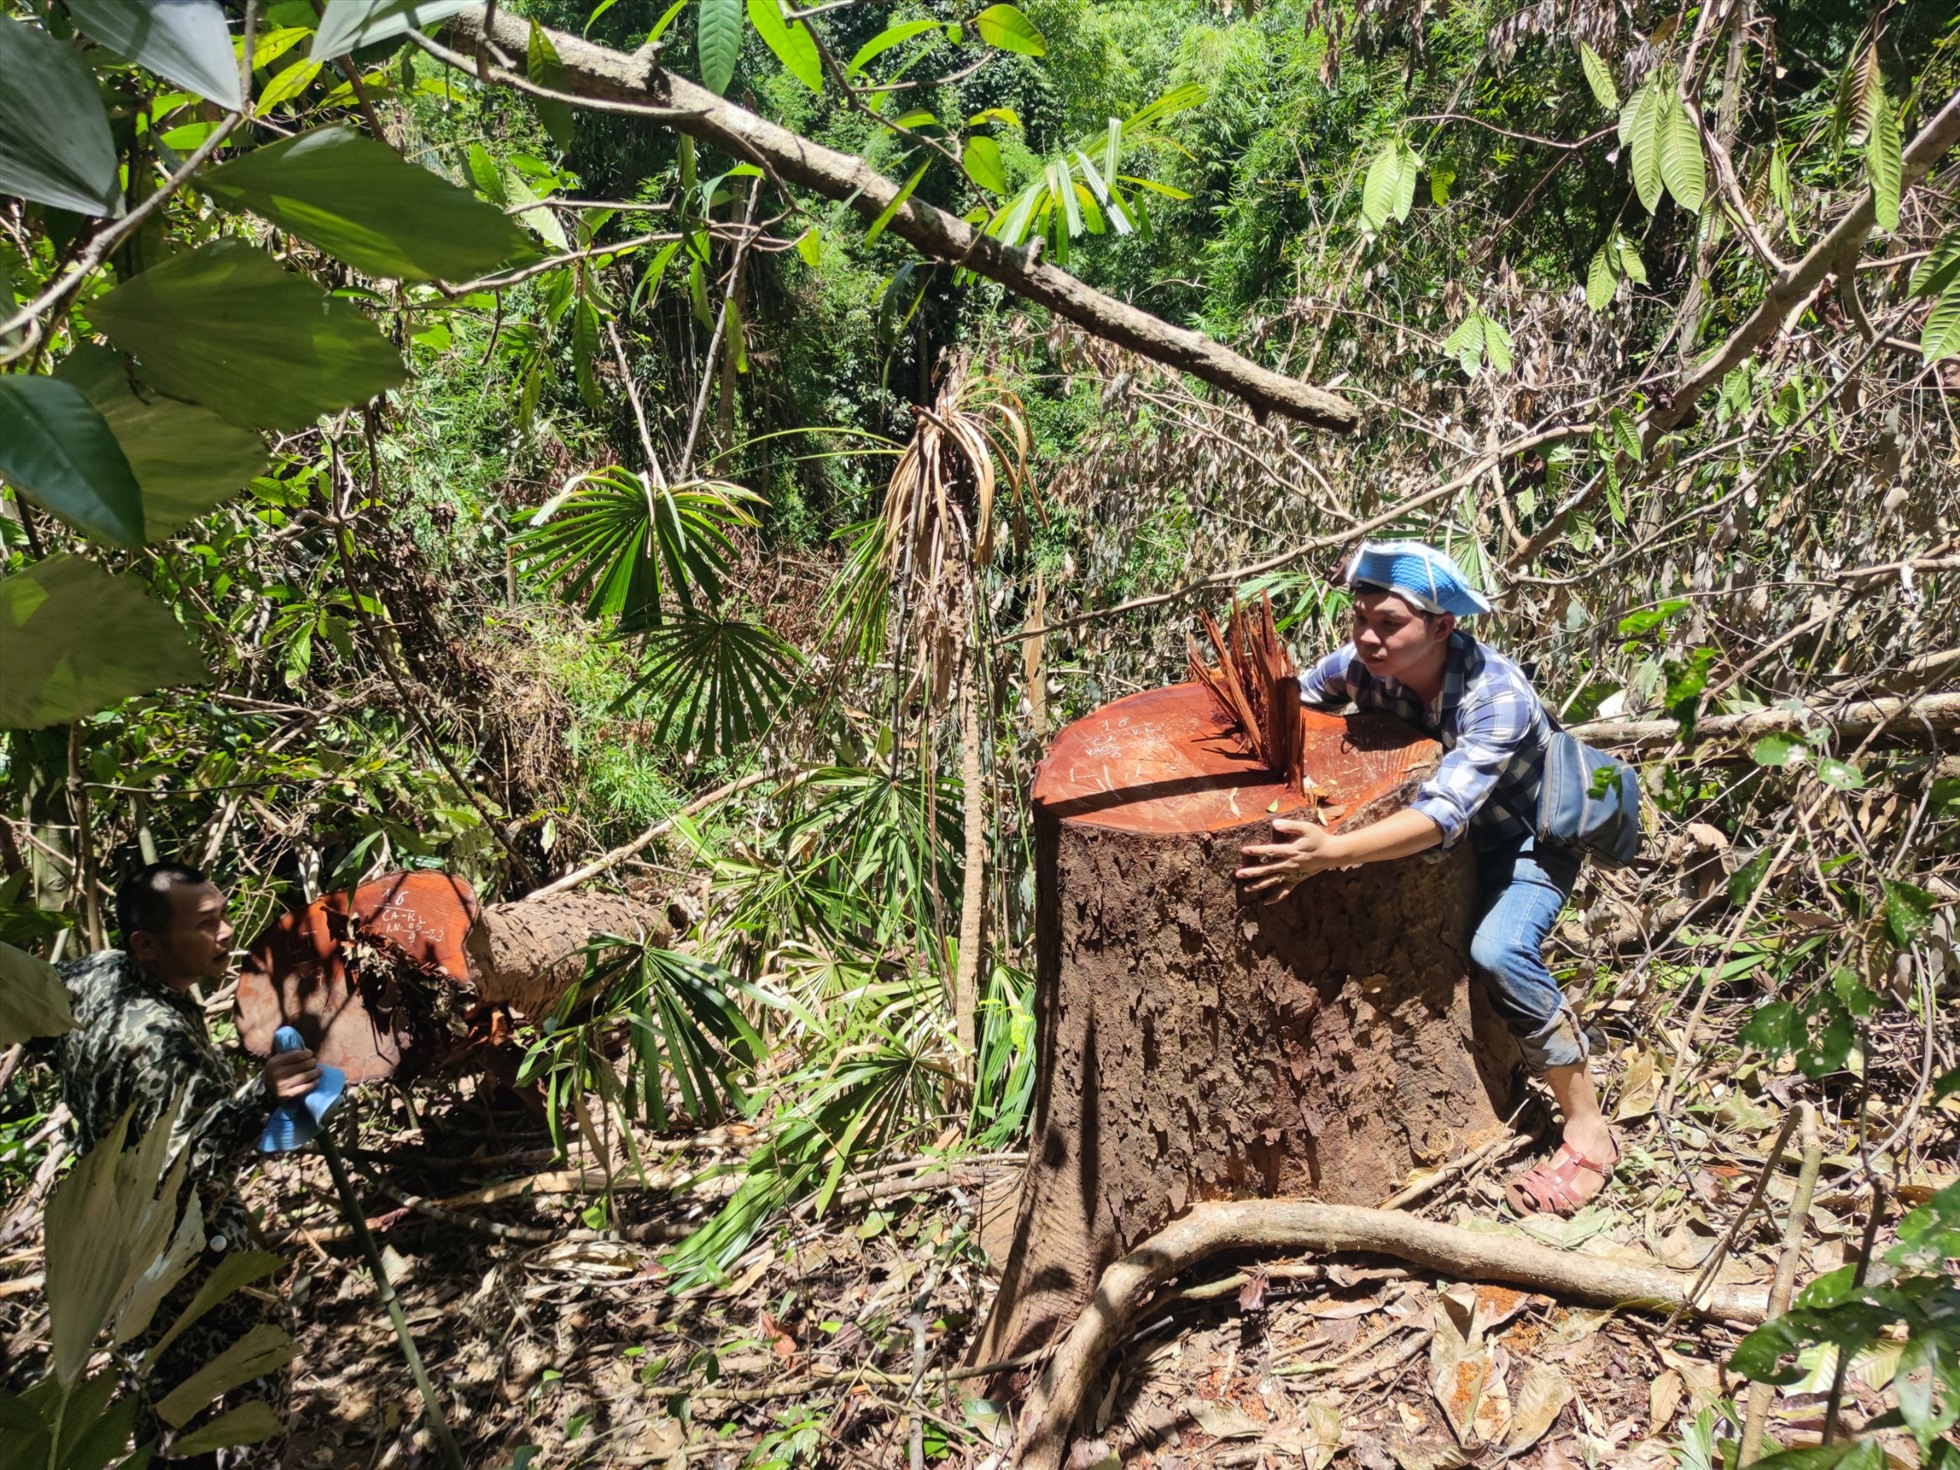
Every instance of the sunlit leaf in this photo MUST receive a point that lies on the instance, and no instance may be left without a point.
(1884, 160)
(1779, 750)
(1640, 135)
(890, 36)
(184, 41)
(980, 157)
(1682, 166)
(1004, 26)
(1601, 279)
(33, 1001)
(1382, 186)
(1599, 77)
(792, 42)
(346, 25)
(1840, 774)
(250, 1423)
(716, 680)
(55, 146)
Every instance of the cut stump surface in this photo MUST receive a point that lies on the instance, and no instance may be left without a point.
(1195, 1046)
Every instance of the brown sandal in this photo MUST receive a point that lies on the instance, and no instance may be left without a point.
(1548, 1188)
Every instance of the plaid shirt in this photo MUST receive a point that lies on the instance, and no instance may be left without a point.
(1491, 723)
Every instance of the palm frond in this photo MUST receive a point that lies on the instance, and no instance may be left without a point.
(716, 679)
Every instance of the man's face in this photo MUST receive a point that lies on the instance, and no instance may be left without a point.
(1392, 636)
(196, 945)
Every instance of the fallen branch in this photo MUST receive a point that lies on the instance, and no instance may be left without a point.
(1780, 1289)
(1835, 252)
(599, 77)
(1293, 1225)
(646, 839)
(1853, 721)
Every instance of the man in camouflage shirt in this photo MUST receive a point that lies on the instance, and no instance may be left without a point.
(139, 1037)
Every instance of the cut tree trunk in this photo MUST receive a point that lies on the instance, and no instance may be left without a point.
(410, 973)
(1195, 1046)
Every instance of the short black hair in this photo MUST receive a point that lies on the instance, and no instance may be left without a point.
(143, 899)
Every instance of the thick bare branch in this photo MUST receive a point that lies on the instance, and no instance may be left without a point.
(599, 75)
(1908, 719)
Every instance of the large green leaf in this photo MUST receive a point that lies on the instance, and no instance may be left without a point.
(186, 458)
(55, 146)
(1640, 134)
(716, 680)
(346, 24)
(363, 203)
(1940, 337)
(1005, 27)
(33, 1001)
(58, 449)
(980, 157)
(1599, 77)
(1682, 167)
(1602, 279)
(1884, 160)
(226, 327)
(1382, 186)
(250, 1423)
(74, 639)
(183, 41)
(792, 42)
(717, 41)
(889, 37)
(255, 1354)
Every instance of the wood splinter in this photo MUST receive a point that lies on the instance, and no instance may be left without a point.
(1256, 687)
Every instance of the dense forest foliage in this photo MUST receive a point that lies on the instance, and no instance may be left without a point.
(626, 484)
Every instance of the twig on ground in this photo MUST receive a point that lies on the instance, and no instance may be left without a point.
(1720, 1253)
(1505, 1144)
(1786, 1275)
(1834, 1405)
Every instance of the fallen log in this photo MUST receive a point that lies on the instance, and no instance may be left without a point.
(1907, 721)
(1063, 1387)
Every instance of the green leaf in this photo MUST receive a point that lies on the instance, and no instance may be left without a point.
(542, 68)
(185, 41)
(186, 458)
(55, 146)
(1745, 880)
(1382, 187)
(225, 326)
(809, 245)
(585, 352)
(1938, 270)
(1779, 183)
(1779, 750)
(74, 639)
(1640, 135)
(55, 447)
(255, 1354)
(717, 41)
(362, 202)
(1599, 77)
(33, 1001)
(1631, 265)
(1777, 1027)
(1005, 27)
(250, 1423)
(716, 679)
(1840, 774)
(1602, 280)
(1497, 346)
(792, 42)
(1940, 336)
(1681, 163)
(898, 202)
(294, 80)
(236, 1269)
(1908, 909)
(1466, 343)
(1625, 433)
(1405, 183)
(348, 24)
(1884, 159)
(890, 36)
(980, 157)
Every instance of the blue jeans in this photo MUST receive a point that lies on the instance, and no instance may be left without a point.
(1520, 889)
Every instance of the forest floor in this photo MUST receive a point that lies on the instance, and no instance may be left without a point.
(573, 1343)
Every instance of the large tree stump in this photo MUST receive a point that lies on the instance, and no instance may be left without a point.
(1193, 1045)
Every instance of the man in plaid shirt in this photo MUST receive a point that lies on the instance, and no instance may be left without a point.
(1409, 657)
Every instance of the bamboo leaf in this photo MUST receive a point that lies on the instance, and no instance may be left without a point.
(890, 36)
(891, 210)
(1599, 77)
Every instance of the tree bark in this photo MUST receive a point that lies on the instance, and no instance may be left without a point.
(596, 75)
(1195, 1047)
(973, 803)
(1922, 720)
(527, 954)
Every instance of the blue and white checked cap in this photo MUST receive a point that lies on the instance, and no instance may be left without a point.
(1429, 578)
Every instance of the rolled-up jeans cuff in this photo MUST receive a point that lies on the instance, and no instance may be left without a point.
(1560, 1042)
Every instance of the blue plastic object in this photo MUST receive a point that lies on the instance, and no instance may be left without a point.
(296, 1122)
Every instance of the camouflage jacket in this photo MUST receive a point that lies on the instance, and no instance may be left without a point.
(135, 1043)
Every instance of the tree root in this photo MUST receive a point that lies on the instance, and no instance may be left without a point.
(1126, 1286)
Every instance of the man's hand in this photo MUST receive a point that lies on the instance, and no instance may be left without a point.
(1286, 865)
(291, 1074)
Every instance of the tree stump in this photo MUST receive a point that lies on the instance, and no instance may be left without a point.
(1193, 1045)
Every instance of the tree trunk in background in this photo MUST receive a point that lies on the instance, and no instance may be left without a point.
(1192, 1046)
